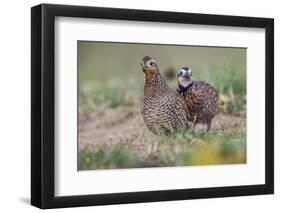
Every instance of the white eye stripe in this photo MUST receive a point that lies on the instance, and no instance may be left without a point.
(189, 71)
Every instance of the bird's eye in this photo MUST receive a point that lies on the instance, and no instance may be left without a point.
(181, 73)
(151, 64)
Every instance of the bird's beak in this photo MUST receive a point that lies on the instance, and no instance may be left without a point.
(186, 75)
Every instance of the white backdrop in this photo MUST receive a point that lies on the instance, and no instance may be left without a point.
(15, 105)
(70, 182)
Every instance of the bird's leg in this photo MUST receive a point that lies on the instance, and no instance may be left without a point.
(209, 124)
(193, 124)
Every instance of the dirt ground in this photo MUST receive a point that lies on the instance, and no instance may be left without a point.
(111, 127)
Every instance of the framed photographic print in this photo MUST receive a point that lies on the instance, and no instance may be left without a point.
(140, 106)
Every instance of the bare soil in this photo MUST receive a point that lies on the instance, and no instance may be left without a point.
(110, 127)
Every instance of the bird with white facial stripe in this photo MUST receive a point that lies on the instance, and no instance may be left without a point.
(201, 99)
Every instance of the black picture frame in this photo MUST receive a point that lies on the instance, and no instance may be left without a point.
(43, 105)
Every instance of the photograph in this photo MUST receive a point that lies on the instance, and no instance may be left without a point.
(141, 105)
(160, 105)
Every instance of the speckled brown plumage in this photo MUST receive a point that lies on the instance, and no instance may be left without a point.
(164, 111)
(200, 97)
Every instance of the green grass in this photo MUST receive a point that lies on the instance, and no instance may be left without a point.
(105, 158)
(106, 95)
(226, 79)
(183, 149)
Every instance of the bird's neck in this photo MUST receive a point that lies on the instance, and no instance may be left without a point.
(185, 87)
(155, 86)
(156, 79)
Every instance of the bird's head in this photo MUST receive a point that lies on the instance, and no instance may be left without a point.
(149, 67)
(184, 77)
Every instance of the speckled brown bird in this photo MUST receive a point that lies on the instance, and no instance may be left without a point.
(201, 98)
(164, 111)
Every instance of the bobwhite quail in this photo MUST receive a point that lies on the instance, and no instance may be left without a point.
(202, 100)
(164, 111)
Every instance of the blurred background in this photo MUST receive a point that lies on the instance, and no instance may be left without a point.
(112, 133)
